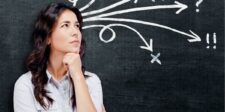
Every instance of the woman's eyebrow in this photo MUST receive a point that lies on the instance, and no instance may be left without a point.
(65, 22)
(69, 22)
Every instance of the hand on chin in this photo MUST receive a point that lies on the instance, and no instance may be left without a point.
(75, 50)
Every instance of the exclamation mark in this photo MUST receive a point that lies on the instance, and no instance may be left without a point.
(207, 40)
(214, 40)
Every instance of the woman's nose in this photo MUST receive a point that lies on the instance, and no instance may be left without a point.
(74, 31)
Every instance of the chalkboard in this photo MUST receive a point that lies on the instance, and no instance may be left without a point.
(151, 55)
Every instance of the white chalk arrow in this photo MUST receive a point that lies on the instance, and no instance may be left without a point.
(147, 46)
(74, 2)
(178, 5)
(87, 5)
(194, 37)
(105, 8)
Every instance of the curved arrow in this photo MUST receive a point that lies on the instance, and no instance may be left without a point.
(84, 7)
(100, 34)
(74, 2)
(194, 37)
(148, 47)
(87, 5)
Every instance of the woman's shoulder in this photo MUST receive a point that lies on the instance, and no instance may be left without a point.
(92, 77)
(24, 80)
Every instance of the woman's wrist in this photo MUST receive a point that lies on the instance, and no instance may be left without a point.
(76, 75)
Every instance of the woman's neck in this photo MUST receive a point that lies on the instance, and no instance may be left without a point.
(56, 66)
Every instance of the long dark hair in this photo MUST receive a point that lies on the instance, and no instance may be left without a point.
(38, 58)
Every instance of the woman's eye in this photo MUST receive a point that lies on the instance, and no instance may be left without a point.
(77, 25)
(65, 25)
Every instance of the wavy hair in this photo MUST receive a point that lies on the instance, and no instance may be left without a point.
(38, 58)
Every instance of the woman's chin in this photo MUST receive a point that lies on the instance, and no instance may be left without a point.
(75, 51)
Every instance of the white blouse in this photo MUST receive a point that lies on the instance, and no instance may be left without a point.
(60, 92)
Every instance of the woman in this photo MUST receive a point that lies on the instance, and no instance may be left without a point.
(56, 81)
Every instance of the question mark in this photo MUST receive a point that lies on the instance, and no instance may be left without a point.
(197, 4)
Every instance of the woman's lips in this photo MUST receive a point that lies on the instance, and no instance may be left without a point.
(75, 42)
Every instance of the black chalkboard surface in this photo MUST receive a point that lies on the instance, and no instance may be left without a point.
(151, 55)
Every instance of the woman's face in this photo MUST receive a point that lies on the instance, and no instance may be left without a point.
(66, 36)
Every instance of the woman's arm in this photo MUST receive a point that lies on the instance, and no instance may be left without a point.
(83, 99)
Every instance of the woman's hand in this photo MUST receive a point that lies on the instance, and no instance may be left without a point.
(73, 63)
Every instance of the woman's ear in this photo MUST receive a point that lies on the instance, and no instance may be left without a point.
(49, 41)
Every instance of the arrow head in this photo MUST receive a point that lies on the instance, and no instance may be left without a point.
(195, 37)
(181, 6)
(148, 47)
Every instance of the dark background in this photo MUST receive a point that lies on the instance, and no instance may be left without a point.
(190, 79)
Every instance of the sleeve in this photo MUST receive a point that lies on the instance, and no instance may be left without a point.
(23, 100)
(96, 93)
